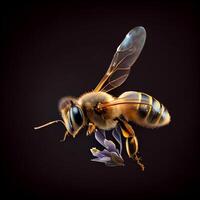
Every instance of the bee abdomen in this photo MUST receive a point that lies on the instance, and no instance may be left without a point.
(152, 115)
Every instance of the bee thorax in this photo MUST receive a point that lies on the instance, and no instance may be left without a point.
(101, 118)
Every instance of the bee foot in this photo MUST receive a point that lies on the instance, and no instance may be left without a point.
(64, 138)
(138, 159)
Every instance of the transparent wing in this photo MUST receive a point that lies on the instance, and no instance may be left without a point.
(125, 56)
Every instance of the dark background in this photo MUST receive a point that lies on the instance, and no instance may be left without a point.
(53, 50)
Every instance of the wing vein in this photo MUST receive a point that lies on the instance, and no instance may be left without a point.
(126, 55)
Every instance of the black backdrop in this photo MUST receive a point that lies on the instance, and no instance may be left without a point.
(53, 50)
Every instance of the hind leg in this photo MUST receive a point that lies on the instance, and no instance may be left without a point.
(131, 140)
(134, 155)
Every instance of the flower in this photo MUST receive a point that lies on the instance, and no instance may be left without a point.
(110, 156)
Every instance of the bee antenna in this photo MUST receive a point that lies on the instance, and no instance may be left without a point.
(49, 123)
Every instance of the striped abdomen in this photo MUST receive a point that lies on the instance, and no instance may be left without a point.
(151, 116)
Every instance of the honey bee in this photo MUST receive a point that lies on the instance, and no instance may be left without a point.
(99, 110)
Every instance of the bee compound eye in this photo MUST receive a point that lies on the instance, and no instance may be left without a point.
(77, 115)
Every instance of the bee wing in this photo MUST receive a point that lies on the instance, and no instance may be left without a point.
(125, 56)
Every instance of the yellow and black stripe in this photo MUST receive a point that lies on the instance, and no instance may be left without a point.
(150, 115)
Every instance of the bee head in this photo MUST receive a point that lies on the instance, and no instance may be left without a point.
(72, 115)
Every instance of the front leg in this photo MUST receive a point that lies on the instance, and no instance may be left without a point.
(65, 136)
(129, 134)
(91, 128)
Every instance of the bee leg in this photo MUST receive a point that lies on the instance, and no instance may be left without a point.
(65, 136)
(134, 155)
(129, 134)
(91, 128)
